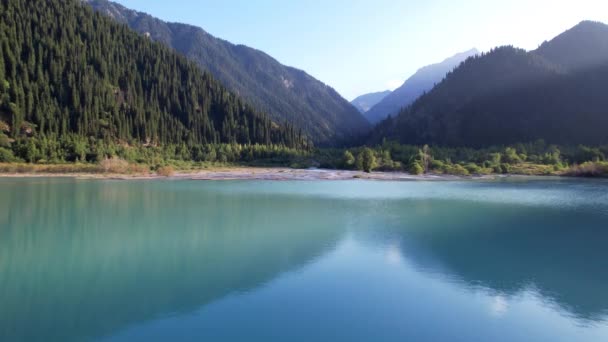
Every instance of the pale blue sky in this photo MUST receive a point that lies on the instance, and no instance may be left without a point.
(360, 46)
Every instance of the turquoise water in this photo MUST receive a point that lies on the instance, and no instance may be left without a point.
(507, 260)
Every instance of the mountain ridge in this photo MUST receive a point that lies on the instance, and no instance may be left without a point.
(285, 93)
(511, 95)
(78, 84)
(421, 81)
(366, 101)
(586, 36)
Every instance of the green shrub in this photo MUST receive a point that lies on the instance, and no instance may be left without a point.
(392, 166)
(511, 156)
(4, 141)
(6, 155)
(366, 160)
(348, 159)
(4, 127)
(416, 168)
(437, 165)
(457, 170)
(472, 168)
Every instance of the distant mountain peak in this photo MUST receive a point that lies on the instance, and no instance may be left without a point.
(509, 95)
(583, 46)
(366, 101)
(423, 80)
(113, 10)
(591, 24)
(457, 58)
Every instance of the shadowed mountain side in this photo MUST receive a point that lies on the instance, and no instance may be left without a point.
(583, 47)
(419, 83)
(509, 95)
(286, 93)
(568, 109)
(117, 266)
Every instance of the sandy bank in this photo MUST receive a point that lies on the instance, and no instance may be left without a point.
(253, 173)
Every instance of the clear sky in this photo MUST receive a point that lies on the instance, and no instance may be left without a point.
(360, 46)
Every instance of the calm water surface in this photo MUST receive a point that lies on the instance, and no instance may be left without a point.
(507, 260)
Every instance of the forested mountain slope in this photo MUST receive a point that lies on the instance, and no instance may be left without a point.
(419, 83)
(67, 72)
(287, 94)
(509, 95)
(581, 47)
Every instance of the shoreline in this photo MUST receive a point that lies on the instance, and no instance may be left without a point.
(254, 173)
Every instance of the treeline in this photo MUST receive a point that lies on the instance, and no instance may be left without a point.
(73, 148)
(71, 78)
(535, 158)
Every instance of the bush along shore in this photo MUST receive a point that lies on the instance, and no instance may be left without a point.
(537, 158)
(73, 155)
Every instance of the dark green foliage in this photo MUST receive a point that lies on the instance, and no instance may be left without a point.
(536, 158)
(557, 93)
(416, 168)
(286, 94)
(348, 160)
(73, 80)
(583, 154)
(6, 155)
(4, 141)
(75, 148)
(366, 160)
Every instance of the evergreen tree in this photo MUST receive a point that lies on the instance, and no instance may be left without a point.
(67, 71)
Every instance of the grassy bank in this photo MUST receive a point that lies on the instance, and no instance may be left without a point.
(589, 169)
(121, 167)
(534, 159)
(118, 166)
(112, 166)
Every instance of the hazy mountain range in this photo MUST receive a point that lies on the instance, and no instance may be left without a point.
(285, 93)
(90, 80)
(365, 102)
(556, 93)
(504, 96)
(422, 81)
